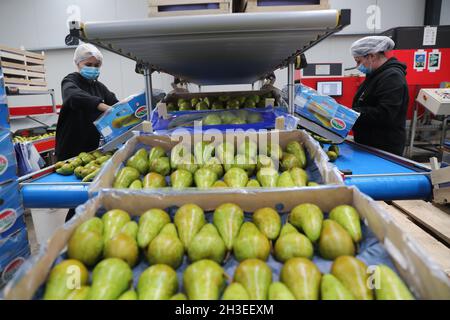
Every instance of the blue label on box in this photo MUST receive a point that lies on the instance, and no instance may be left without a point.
(121, 117)
(11, 211)
(14, 250)
(324, 111)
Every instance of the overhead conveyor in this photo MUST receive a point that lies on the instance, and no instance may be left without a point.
(239, 48)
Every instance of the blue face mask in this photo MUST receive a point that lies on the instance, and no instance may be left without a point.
(90, 73)
(364, 69)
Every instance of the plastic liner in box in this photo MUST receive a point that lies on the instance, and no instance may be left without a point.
(265, 119)
(370, 251)
(423, 276)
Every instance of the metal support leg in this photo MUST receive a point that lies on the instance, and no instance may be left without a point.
(253, 86)
(413, 132)
(52, 95)
(443, 133)
(148, 92)
(291, 84)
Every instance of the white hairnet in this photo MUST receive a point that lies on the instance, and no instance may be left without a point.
(371, 44)
(85, 51)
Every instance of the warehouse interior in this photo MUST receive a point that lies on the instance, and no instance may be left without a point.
(336, 112)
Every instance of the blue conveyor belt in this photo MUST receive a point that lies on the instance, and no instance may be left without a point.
(54, 196)
(361, 161)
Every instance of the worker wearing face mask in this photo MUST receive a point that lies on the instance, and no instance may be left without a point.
(84, 100)
(382, 99)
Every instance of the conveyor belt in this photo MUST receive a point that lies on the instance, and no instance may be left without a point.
(361, 161)
(54, 191)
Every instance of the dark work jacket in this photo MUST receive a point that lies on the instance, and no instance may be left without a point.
(382, 99)
(75, 131)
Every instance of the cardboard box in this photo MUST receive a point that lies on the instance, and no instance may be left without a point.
(122, 116)
(105, 178)
(14, 250)
(422, 275)
(8, 166)
(323, 111)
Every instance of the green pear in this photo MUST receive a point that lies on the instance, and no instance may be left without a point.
(302, 277)
(249, 148)
(136, 185)
(253, 183)
(235, 291)
(204, 280)
(150, 224)
(245, 163)
(255, 276)
(268, 222)
(219, 184)
(85, 246)
(211, 119)
(179, 296)
(178, 153)
(263, 161)
(287, 228)
(236, 178)
(295, 148)
(124, 247)
(285, 180)
(313, 184)
(335, 241)
(139, 161)
(228, 219)
(129, 295)
(113, 222)
(111, 277)
(353, 274)
(130, 228)
(189, 219)
(251, 243)
(93, 224)
(188, 163)
(228, 161)
(155, 153)
(154, 180)
(158, 282)
(207, 244)
(390, 286)
(201, 106)
(215, 165)
(289, 161)
(160, 165)
(307, 217)
(223, 150)
(166, 248)
(203, 151)
(348, 218)
(299, 176)
(332, 289)
(79, 294)
(254, 117)
(56, 287)
(204, 178)
(181, 179)
(292, 244)
(268, 177)
(194, 101)
(279, 291)
(217, 105)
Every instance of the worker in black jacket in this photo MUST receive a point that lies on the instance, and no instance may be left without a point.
(382, 99)
(84, 100)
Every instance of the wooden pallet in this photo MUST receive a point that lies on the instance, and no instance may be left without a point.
(22, 69)
(407, 215)
(256, 6)
(157, 7)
